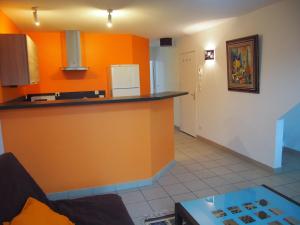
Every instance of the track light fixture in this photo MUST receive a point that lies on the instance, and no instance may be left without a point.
(35, 16)
(109, 18)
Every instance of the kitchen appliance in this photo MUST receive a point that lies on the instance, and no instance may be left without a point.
(73, 48)
(37, 98)
(125, 80)
(65, 95)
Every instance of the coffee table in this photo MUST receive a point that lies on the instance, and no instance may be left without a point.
(259, 205)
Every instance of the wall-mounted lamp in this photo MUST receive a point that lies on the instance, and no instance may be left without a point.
(209, 54)
(35, 16)
(109, 18)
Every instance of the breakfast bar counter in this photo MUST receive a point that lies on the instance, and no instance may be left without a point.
(74, 146)
(20, 103)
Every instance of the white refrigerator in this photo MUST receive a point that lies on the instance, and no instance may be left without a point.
(125, 80)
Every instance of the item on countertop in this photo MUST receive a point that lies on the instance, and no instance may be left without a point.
(276, 211)
(292, 221)
(219, 213)
(249, 206)
(234, 209)
(230, 222)
(263, 202)
(275, 223)
(247, 219)
(262, 215)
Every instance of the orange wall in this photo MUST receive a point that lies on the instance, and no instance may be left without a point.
(161, 112)
(141, 56)
(89, 146)
(7, 27)
(99, 51)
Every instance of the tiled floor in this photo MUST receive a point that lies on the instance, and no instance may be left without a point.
(204, 170)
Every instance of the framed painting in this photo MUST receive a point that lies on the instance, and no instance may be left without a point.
(243, 64)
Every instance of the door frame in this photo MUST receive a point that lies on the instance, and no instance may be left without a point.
(153, 78)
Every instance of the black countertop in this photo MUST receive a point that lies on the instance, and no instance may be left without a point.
(20, 103)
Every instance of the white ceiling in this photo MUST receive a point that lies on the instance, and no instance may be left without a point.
(148, 18)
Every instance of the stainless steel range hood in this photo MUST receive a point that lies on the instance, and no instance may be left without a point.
(73, 48)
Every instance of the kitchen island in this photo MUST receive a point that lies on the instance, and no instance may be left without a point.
(88, 146)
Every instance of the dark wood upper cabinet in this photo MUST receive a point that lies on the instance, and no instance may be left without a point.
(18, 60)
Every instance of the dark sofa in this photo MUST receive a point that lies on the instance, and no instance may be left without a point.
(16, 185)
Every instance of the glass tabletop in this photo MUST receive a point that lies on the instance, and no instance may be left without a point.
(255, 206)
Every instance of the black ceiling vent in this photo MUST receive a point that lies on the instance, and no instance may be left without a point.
(166, 42)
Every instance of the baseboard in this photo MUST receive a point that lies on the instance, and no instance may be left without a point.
(246, 158)
(110, 188)
(164, 170)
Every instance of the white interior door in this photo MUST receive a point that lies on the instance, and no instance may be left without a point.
(188, 73)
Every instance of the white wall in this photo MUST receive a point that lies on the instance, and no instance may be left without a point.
(164, 59)
(240, 121)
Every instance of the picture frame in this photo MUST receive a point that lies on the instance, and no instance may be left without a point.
(243, 64)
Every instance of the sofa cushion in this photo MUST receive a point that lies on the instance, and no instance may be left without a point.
(95, 210)
(16, 185)
(36, 213)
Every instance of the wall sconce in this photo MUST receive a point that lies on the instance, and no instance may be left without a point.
(209, 54)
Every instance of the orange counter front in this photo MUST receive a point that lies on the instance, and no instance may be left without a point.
(74, 147)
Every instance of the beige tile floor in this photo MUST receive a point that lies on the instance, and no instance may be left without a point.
(204, 170)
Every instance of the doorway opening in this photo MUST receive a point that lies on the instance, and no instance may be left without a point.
(152, 77)
(287, 155)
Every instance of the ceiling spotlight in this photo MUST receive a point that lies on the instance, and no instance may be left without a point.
(35, 16)
(109, 18)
